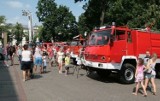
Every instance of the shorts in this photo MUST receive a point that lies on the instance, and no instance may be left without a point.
(68, 66)
(44, 67)
(60, 61)
(25, 65)
(53, 59)
(20, 58)
(149, 76)
(38, 61)
(32, 65)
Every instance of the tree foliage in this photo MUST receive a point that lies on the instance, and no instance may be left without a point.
(58, 22)
(2, 19)
(18, 32)
(82, 24)
(133, 13)
(79, 0)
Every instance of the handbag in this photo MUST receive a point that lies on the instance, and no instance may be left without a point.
(149, 71)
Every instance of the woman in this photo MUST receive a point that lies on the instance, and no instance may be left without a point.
(151, 73)
(60, 56)
(12, 51)
(5, 55)
(38, 58)
(26, 62)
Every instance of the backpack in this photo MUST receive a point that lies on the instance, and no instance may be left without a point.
(11, 49)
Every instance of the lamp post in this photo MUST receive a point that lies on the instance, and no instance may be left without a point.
(28, 13)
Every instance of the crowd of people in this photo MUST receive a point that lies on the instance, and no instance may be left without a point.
(38, 57)
(35, 57)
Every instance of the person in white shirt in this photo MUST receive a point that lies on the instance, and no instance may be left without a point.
(44, 63)
(38, 59)
(60, 56)
(26, 62)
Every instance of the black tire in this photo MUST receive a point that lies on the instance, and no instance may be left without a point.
(1, 57)
(157, 68)
(74, 61)
(127, 74)
(103, 73)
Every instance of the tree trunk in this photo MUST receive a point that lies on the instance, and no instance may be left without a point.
(102, 17)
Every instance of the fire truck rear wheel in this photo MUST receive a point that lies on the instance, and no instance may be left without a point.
(103, 73)
(157, 68)
(127, 74)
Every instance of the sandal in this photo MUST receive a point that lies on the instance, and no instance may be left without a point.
(154, 93)
(134, 93)
(144, 95)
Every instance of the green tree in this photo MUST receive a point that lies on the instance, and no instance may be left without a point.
(55, 20)
(79, 0)
(2, 19)
(47, 14)
(82, 25)
(18, 32)
(133, 13)
(67, 24)
(2, 25)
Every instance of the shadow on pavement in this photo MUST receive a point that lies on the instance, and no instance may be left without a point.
(37, 76)
(7, 87)
(110, 79)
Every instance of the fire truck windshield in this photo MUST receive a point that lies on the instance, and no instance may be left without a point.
(100, 37)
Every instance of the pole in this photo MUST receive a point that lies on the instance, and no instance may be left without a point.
(27, 13)
(30, 31)
(31, 28)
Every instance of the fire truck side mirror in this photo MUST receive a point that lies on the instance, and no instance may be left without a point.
(129, 37)
(112, 38)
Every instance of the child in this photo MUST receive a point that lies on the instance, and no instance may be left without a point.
(67, 64)
(19, 53)
(139, 76)
(44, 63)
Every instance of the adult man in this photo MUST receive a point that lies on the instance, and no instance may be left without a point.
(147, 57)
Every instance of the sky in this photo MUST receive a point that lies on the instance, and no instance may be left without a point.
(12, 9)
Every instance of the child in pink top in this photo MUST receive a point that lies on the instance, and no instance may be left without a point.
(139, 76)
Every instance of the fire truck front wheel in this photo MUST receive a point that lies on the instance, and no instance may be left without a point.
(157, 68)
(127, 74)
(103, 73)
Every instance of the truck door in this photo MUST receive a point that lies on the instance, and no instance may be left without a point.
(118, 47)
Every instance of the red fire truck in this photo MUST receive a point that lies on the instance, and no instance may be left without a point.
(75, 46)
(116, 49)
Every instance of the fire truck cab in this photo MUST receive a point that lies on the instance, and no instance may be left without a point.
(116, 49)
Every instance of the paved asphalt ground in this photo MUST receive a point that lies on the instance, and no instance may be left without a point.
(52, 86)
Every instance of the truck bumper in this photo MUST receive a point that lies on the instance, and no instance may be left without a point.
(74, 56)
(98, 65)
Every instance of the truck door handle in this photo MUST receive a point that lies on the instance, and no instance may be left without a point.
(124, 50)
